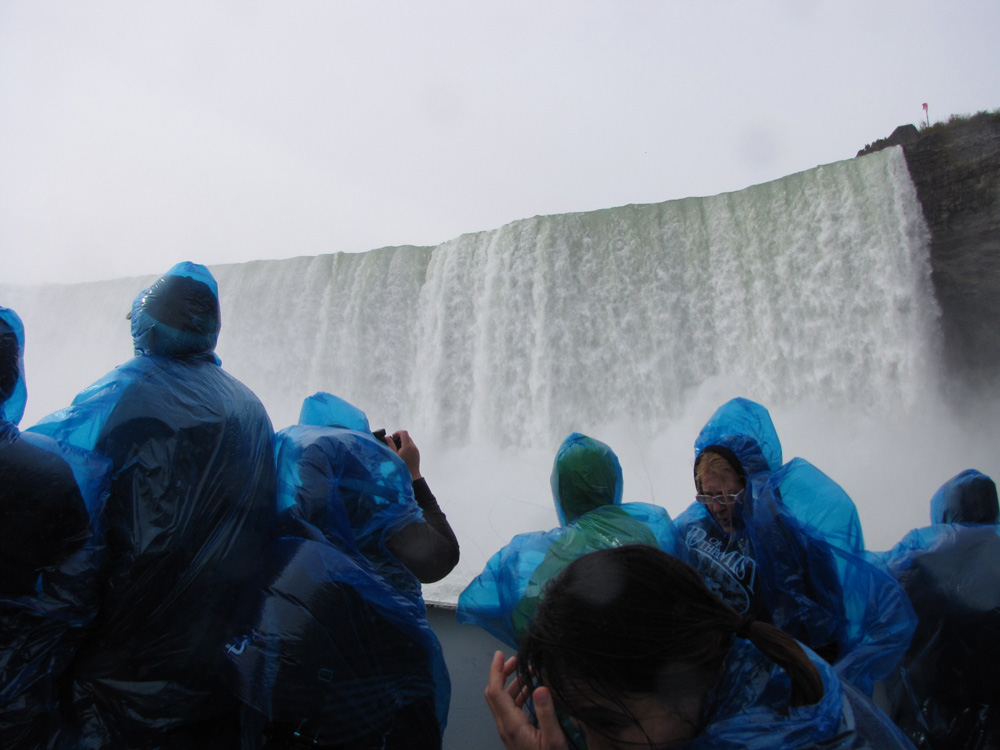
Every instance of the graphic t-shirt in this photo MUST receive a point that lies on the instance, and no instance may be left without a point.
(727, 564)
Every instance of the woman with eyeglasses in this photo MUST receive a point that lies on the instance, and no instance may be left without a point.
(630, 649)
(782, 543)
(737, 443)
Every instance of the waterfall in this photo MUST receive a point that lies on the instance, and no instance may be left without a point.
(814, 287)
(810, 294)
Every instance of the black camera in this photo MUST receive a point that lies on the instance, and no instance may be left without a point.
(380, 435)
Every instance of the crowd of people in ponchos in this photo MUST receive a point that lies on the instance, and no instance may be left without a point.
(176, 574)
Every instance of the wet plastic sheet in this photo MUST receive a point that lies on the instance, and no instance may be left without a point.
(328, 648)
(503, 598)
(747, 710)
(746, 429)
(822, 594)
(586, 474)
(41, 630)
(191, 505)
(816, 581)
(51, 552)
(968, 497)
(351, 486)
(356, 492)
(946, 692)
(13, 391)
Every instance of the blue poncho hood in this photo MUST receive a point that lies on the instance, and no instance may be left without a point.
(13, 393)
(335, 474)
(969, 497)
(326, 410)
(586, 475)
(178, 314)
(743, 429)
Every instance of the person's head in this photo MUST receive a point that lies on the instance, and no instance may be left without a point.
(744, 428)
(630, 641)
(326, 410)
(12, 389)
(178, 314)
(585, 475)
(968, 497)
(720, 484)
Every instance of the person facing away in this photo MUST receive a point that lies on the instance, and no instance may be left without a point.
(190, 510)
(43, 516)
(587, 488)
(782, 543)
(586, 475)
(50, 552)
(946, 691)
(366, 497)
(332, 459)
(629, 648)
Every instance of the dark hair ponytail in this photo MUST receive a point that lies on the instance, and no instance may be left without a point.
(785, 651)
(634, 620)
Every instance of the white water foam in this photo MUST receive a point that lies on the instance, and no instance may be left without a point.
(810, 294)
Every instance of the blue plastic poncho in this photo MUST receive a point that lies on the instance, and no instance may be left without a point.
(586, 474)
(356, 493)
(326, 647)
(503, 598)
(326, 410)
(13, 392)
(51, 551)
(192, 501)
(968, 497)
(946, 692)
(743, 429)
(796, 557)
(325, 469)
(746, 711)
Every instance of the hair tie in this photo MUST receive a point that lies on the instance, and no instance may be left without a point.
(743, 628)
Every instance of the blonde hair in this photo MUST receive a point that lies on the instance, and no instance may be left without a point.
(710, 463)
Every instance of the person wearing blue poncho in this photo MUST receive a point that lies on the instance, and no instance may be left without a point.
(633, 648)
(191, 508)
(587, 488)
(782, 543)
(51, 548)
(396, 521)
(362, 531)
(946, 692)
(328, 654)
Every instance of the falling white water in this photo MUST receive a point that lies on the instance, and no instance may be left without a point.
(810, 294)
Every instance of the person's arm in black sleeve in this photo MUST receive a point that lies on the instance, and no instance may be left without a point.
(429, 549)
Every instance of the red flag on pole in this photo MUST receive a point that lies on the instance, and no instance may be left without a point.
(925, 106)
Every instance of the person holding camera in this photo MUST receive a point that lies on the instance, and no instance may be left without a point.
(376, 478)
(358, 532)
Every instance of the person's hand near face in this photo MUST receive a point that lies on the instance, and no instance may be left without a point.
(506, 703)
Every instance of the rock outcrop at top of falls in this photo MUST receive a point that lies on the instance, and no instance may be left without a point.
(955, 167)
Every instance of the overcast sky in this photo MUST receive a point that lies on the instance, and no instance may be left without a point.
(135, 133)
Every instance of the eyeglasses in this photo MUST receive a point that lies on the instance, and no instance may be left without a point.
(725, 498)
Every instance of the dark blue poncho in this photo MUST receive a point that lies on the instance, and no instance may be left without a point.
(190, 511)
(333, 639)
(946, 692)
(51, 552)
